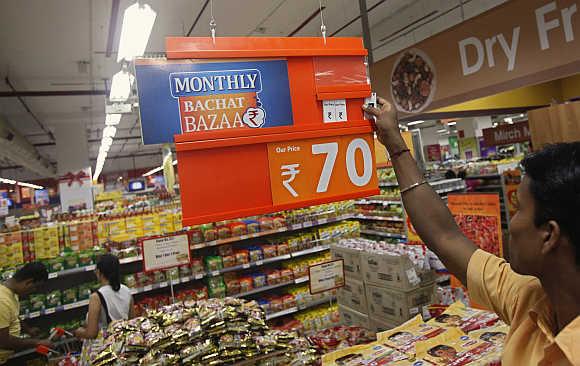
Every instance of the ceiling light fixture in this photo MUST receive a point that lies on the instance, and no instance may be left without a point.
(121, 86)
(22, 184)
(138, 22)
(415, 123)
(443, 130)
(112, 119)
(451, 123)
(158, 169)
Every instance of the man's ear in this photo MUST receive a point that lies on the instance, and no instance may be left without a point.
(551, 236)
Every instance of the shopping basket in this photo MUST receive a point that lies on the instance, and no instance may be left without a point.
(64, 352)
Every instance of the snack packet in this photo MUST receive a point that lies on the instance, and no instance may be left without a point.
(405, 336)
(467, 319)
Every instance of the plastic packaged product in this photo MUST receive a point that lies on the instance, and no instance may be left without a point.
(159, 276)
(252, 226)
(266, 224)
(288, 301)
(255, 254)
(53, 299)
(213, 263)
(264, 304)
(130, 281)
(455, 348)
(172, 274)
(69, 295)
(85, 258)
(224, 250)
(56, 264)
(283, 249)
(143, 279)
(184, 270)
(286, 275)
(209, 232)
(269, 251)
(196, 265)
(84, 292)
(229, 261)
(70, 260)
(224, 232)
(37, 302)
(232, 285)
(216, 287)
(466, 319)
(242, 257)
(279, 222)
(246, 284)
(276, 304)
(196, 235)
(407, 335)
(272, 277)
(238, 228)
(259, 280)
(294, 244)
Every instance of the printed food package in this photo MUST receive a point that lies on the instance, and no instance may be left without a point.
(405, 336)
(376, 354)
(453, 349)
(467, 319)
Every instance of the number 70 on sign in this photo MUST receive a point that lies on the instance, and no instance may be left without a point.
(321, 168)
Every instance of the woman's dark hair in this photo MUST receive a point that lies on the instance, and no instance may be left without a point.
(34, 271)
(109, 267)
(554, 174)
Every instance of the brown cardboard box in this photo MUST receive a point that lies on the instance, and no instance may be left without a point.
(353, 318)
(352, 260)
(395, 306)
(397, 272)
(382, 325)
(353, 295)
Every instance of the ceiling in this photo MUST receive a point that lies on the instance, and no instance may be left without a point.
(61, 45)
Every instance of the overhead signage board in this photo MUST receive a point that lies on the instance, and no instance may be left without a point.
(507, 134)
(260, 124)
(516, 44)
(179, 97)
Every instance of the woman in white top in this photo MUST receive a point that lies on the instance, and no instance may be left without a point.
(112, 301)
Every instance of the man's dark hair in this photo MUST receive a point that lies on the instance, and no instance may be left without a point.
(554, 174)
(34, 271)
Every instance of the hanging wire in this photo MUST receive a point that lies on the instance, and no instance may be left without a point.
(212, 23)
(322, 25)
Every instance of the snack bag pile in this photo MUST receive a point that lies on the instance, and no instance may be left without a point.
(459, 336)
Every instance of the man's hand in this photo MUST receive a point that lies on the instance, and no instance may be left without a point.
(44, 342)
(387, 125)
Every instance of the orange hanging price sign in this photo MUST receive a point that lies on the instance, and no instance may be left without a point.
(319, 168)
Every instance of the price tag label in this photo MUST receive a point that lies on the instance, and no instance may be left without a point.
(165, 252)
(320, 168)
(326, 276)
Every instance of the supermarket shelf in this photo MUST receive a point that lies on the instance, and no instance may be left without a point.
(272, 287)
(450, 189)
(380, 218)
(388, 184)
(484, 176)
(382, 233)
(299, 308)
(304, 225)
(187, 279)
(378, 202)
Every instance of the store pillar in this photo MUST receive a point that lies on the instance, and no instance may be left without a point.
(73, 167)
(467, 139)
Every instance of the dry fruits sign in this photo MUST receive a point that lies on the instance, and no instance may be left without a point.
(519, 43)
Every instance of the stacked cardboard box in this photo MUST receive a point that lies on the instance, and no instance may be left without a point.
(385, 286)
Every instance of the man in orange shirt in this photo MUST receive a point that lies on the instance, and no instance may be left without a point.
(538, 292)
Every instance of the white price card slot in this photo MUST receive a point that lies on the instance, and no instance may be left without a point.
(163, 284)
(166, 252)
(326, 276)
(244, 237)
(52, 275)
(215, 273)
(259, 263)
(90, 268)
(340, 110)
(49, 311)
(245, 266)
(199, 276)
(34, 314)
(147, 288)
(296, 226)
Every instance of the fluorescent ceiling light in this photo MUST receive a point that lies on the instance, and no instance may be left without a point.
(112, 119)
(415, 123)
(121, 86)
(138, 22)
(109, 131)
(442, 130)
(508, 120)
(451, 123)
(22, 184)
(153, 171)
(174, 162)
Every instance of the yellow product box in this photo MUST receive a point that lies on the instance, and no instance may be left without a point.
(134, 222)
(117, 226)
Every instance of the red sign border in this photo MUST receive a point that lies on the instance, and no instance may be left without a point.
(140, 243)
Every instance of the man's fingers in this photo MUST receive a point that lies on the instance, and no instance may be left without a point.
(382, 100)
(372, 110)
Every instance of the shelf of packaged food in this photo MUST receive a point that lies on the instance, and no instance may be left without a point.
(57, 309)
(379, 218)
(383, 233)
(377, 202)
(488, 186)
(483, 176)
(272, 287)
(450, 189)
(388, 184)
(296, 309)
(304, 225)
